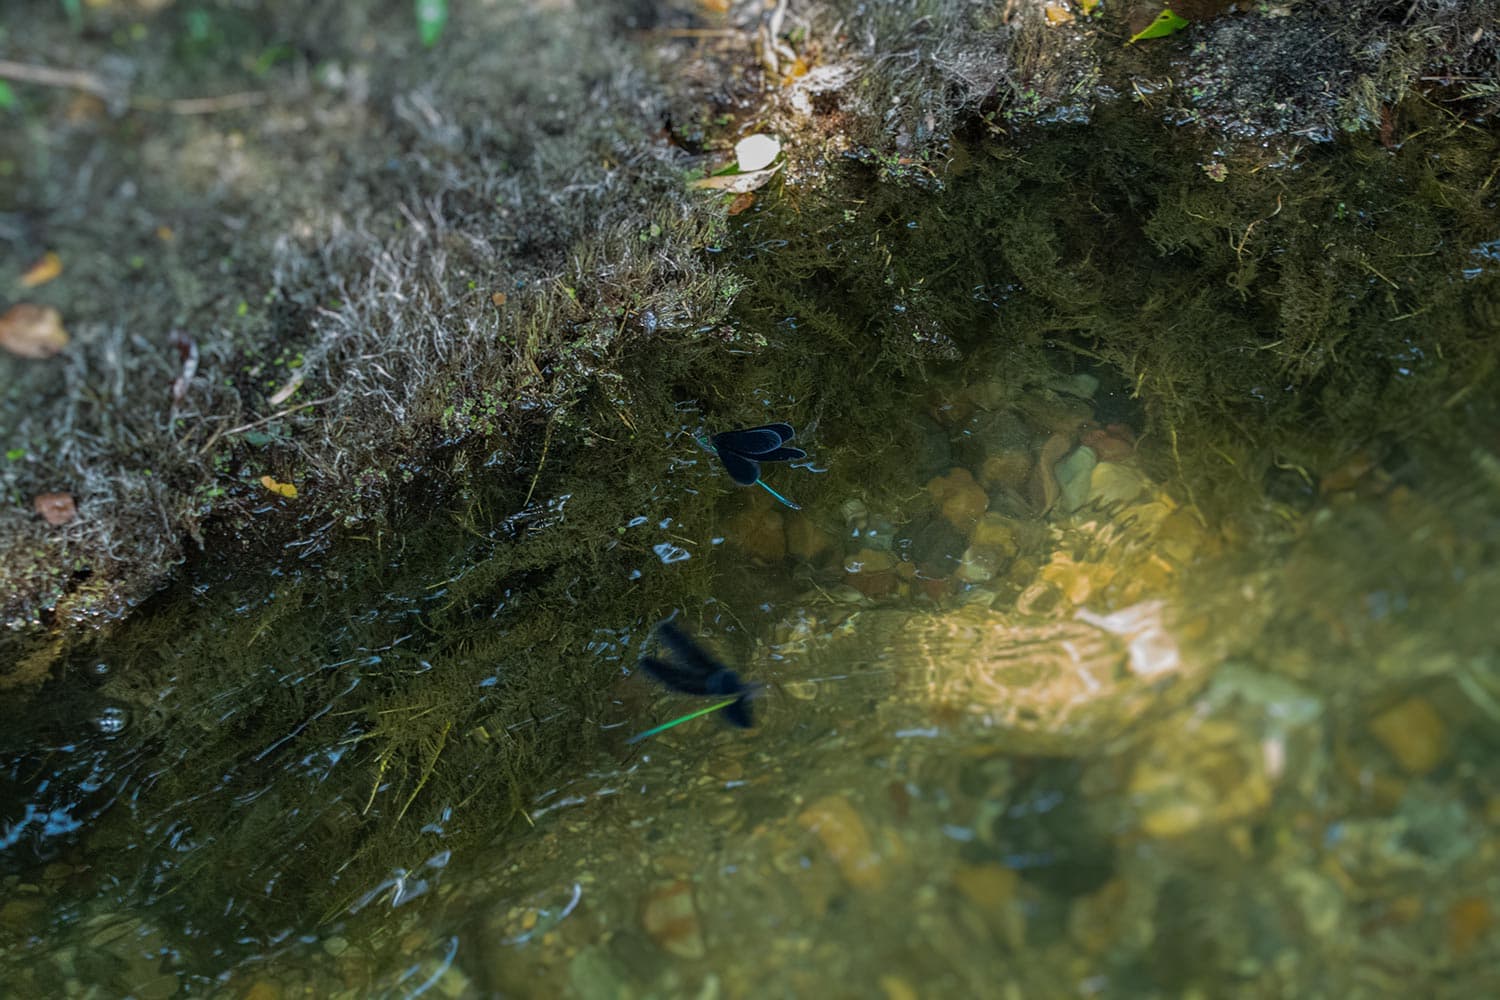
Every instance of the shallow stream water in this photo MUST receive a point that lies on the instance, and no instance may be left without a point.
(1054, 701)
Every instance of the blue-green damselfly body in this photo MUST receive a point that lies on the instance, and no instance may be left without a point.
(742, 451)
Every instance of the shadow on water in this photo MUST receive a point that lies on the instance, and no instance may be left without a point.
(1146, 518)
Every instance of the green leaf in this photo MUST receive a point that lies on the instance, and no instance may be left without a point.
(1166, 23)
(7, 96)
(431, 16)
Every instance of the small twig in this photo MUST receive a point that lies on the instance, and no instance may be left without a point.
(263, 420)
(92, 83)
(546, 443)
(47, 76)
(203, 105)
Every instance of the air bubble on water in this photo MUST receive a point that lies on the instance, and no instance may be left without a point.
(111, 720)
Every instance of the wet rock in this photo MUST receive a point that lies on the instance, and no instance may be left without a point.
(1050, 834)
(1079, 384)
(1042, 489)
(263, 989)
(804, 539)
(1111, 482)
(878, 533)
(670, 918)
(977, 566)
(1076, 581)
(759, 533)
(992, 547)
(21, 916)
(1026, 685)
(161, 986)
(933, 545)
(1428, 835)
(1057, 413)
(959, 498)
(1095, 921)
(1112, 443)
(855, 514)
(992, 432)
(1005, 470)
(933, 453)
(997, 534)
(987, 886)
(1469, 920)
(1196, 776)
(841, 830)
(1414, 734)
(1073, 473)
(872, 572)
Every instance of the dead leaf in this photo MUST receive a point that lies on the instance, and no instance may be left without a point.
(741, 202)
(737, 183)
(32, 331)
(1056, 14)
(284, 489)
(55, 508)
(498, 298)
(43, 271)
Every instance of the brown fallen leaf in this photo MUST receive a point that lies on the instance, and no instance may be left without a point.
(741, 202)
(43, 271)
(498, 299)
(285, 489)
(55, 508)
(32, 331)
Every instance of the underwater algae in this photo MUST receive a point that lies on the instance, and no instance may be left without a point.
(296, 736)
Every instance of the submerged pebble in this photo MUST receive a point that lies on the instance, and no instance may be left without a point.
(841, 830)
(960, 499)
(1074, 473)
(1413, 733)
(759, 533)
(805, 540)
(1111, 482)
(1194, 776)
(670, 917)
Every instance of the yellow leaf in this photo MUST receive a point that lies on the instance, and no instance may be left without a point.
(1056, 13)
(285, 489)
(43, 271)
(1089, 6)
